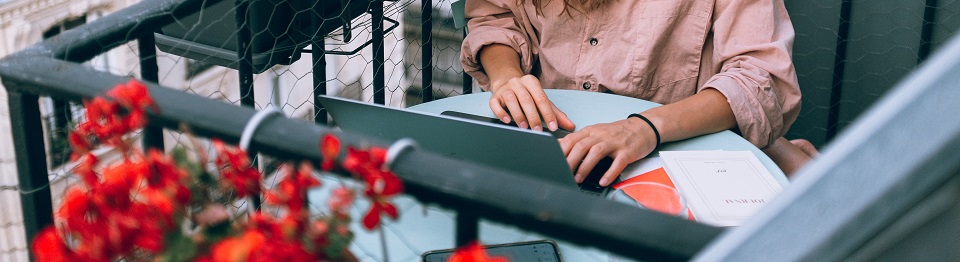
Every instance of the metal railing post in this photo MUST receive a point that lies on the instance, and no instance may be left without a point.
(245, 69)
(376, 12)
(319, 82)
(467, 228)
(244, 54)
(839, 65)
(319, 53)
(467, 79)
(426, 20)
(926, 31)
(34, 184)
(149, 71)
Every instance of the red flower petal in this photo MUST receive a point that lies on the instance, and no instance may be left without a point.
(75, 204)
(378, 156)
(473, 252)
(354, 161)
(329, 147)
(392, 184)
(48, 246)
(79, 143)
(238, 248)
(85, 170)
(236, 169)
(390, 209)
(372, 219)
(327, 165)
(133, 95)
(341, 199)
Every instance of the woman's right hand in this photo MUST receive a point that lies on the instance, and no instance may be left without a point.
(523, 100)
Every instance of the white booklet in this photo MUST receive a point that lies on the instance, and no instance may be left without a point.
(721, 188)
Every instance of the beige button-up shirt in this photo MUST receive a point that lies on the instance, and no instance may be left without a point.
(657, 50)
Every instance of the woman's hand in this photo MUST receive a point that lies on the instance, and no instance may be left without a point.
(625, 141)
(523, 100)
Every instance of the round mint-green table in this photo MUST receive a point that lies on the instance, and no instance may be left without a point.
(589, 108)
(421, 228)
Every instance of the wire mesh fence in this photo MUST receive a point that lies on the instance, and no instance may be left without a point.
(848, 53)
(198, 68)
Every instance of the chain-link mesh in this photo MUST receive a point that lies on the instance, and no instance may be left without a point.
(882, 43)
(879, 43)
(12, 240)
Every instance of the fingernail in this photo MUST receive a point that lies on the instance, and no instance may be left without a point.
(552, 126)
(522, 124)
(578, 178)
(603, 181)
(506, 119)
(537, 128)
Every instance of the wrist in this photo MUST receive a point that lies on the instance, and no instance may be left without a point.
(641, 120)
(499, 80)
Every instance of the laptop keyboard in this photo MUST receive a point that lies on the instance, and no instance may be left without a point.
(590, 184)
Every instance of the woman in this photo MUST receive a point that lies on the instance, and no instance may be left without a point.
(714, 64)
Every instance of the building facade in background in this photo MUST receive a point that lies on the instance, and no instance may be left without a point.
(24, 23)
(286, 87)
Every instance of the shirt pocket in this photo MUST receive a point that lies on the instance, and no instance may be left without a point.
(669, 38)
(661, 8)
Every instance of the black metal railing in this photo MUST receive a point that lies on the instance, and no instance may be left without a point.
(52, 68)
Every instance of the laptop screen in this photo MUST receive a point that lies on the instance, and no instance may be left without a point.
(526, 152)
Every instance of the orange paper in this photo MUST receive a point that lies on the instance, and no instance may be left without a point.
(658, 175)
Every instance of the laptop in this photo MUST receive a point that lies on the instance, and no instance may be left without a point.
(527, 152)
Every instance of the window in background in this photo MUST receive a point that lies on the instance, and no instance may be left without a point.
(59, 116)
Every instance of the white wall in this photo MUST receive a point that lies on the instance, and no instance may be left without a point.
(22, 23)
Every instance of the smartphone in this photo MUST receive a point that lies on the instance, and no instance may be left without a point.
(539, 250)
(560, 133)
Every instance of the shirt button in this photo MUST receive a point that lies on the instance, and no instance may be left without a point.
(593, 41)
(586, 85)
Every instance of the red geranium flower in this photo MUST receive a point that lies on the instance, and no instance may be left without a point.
(133, 209)
(473, 252)
(238, 248)
(48, 246)
(340, 200)
(381, 184)
(236, 168)
(330, 150)
(85, 170)
(291, 191)
(136, 99)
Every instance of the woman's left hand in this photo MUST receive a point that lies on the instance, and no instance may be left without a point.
(625, 141)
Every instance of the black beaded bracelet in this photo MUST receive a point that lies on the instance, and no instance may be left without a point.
(655, 132)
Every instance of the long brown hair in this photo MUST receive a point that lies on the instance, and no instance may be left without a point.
(579, 5)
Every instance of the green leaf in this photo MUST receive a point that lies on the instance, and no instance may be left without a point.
(336, 243)
(178, 248)
(182, 159)
(218, 231)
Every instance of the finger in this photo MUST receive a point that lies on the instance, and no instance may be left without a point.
(575, 157)
(805, 146)
(619, 163)
(568, 141)
(529, 108)
(597, 151)
(497, 107)
(509, 100)
(562, 120)
(545, 108)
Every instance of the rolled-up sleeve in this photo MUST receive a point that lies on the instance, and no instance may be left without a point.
(492, 22)
(752, 43)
